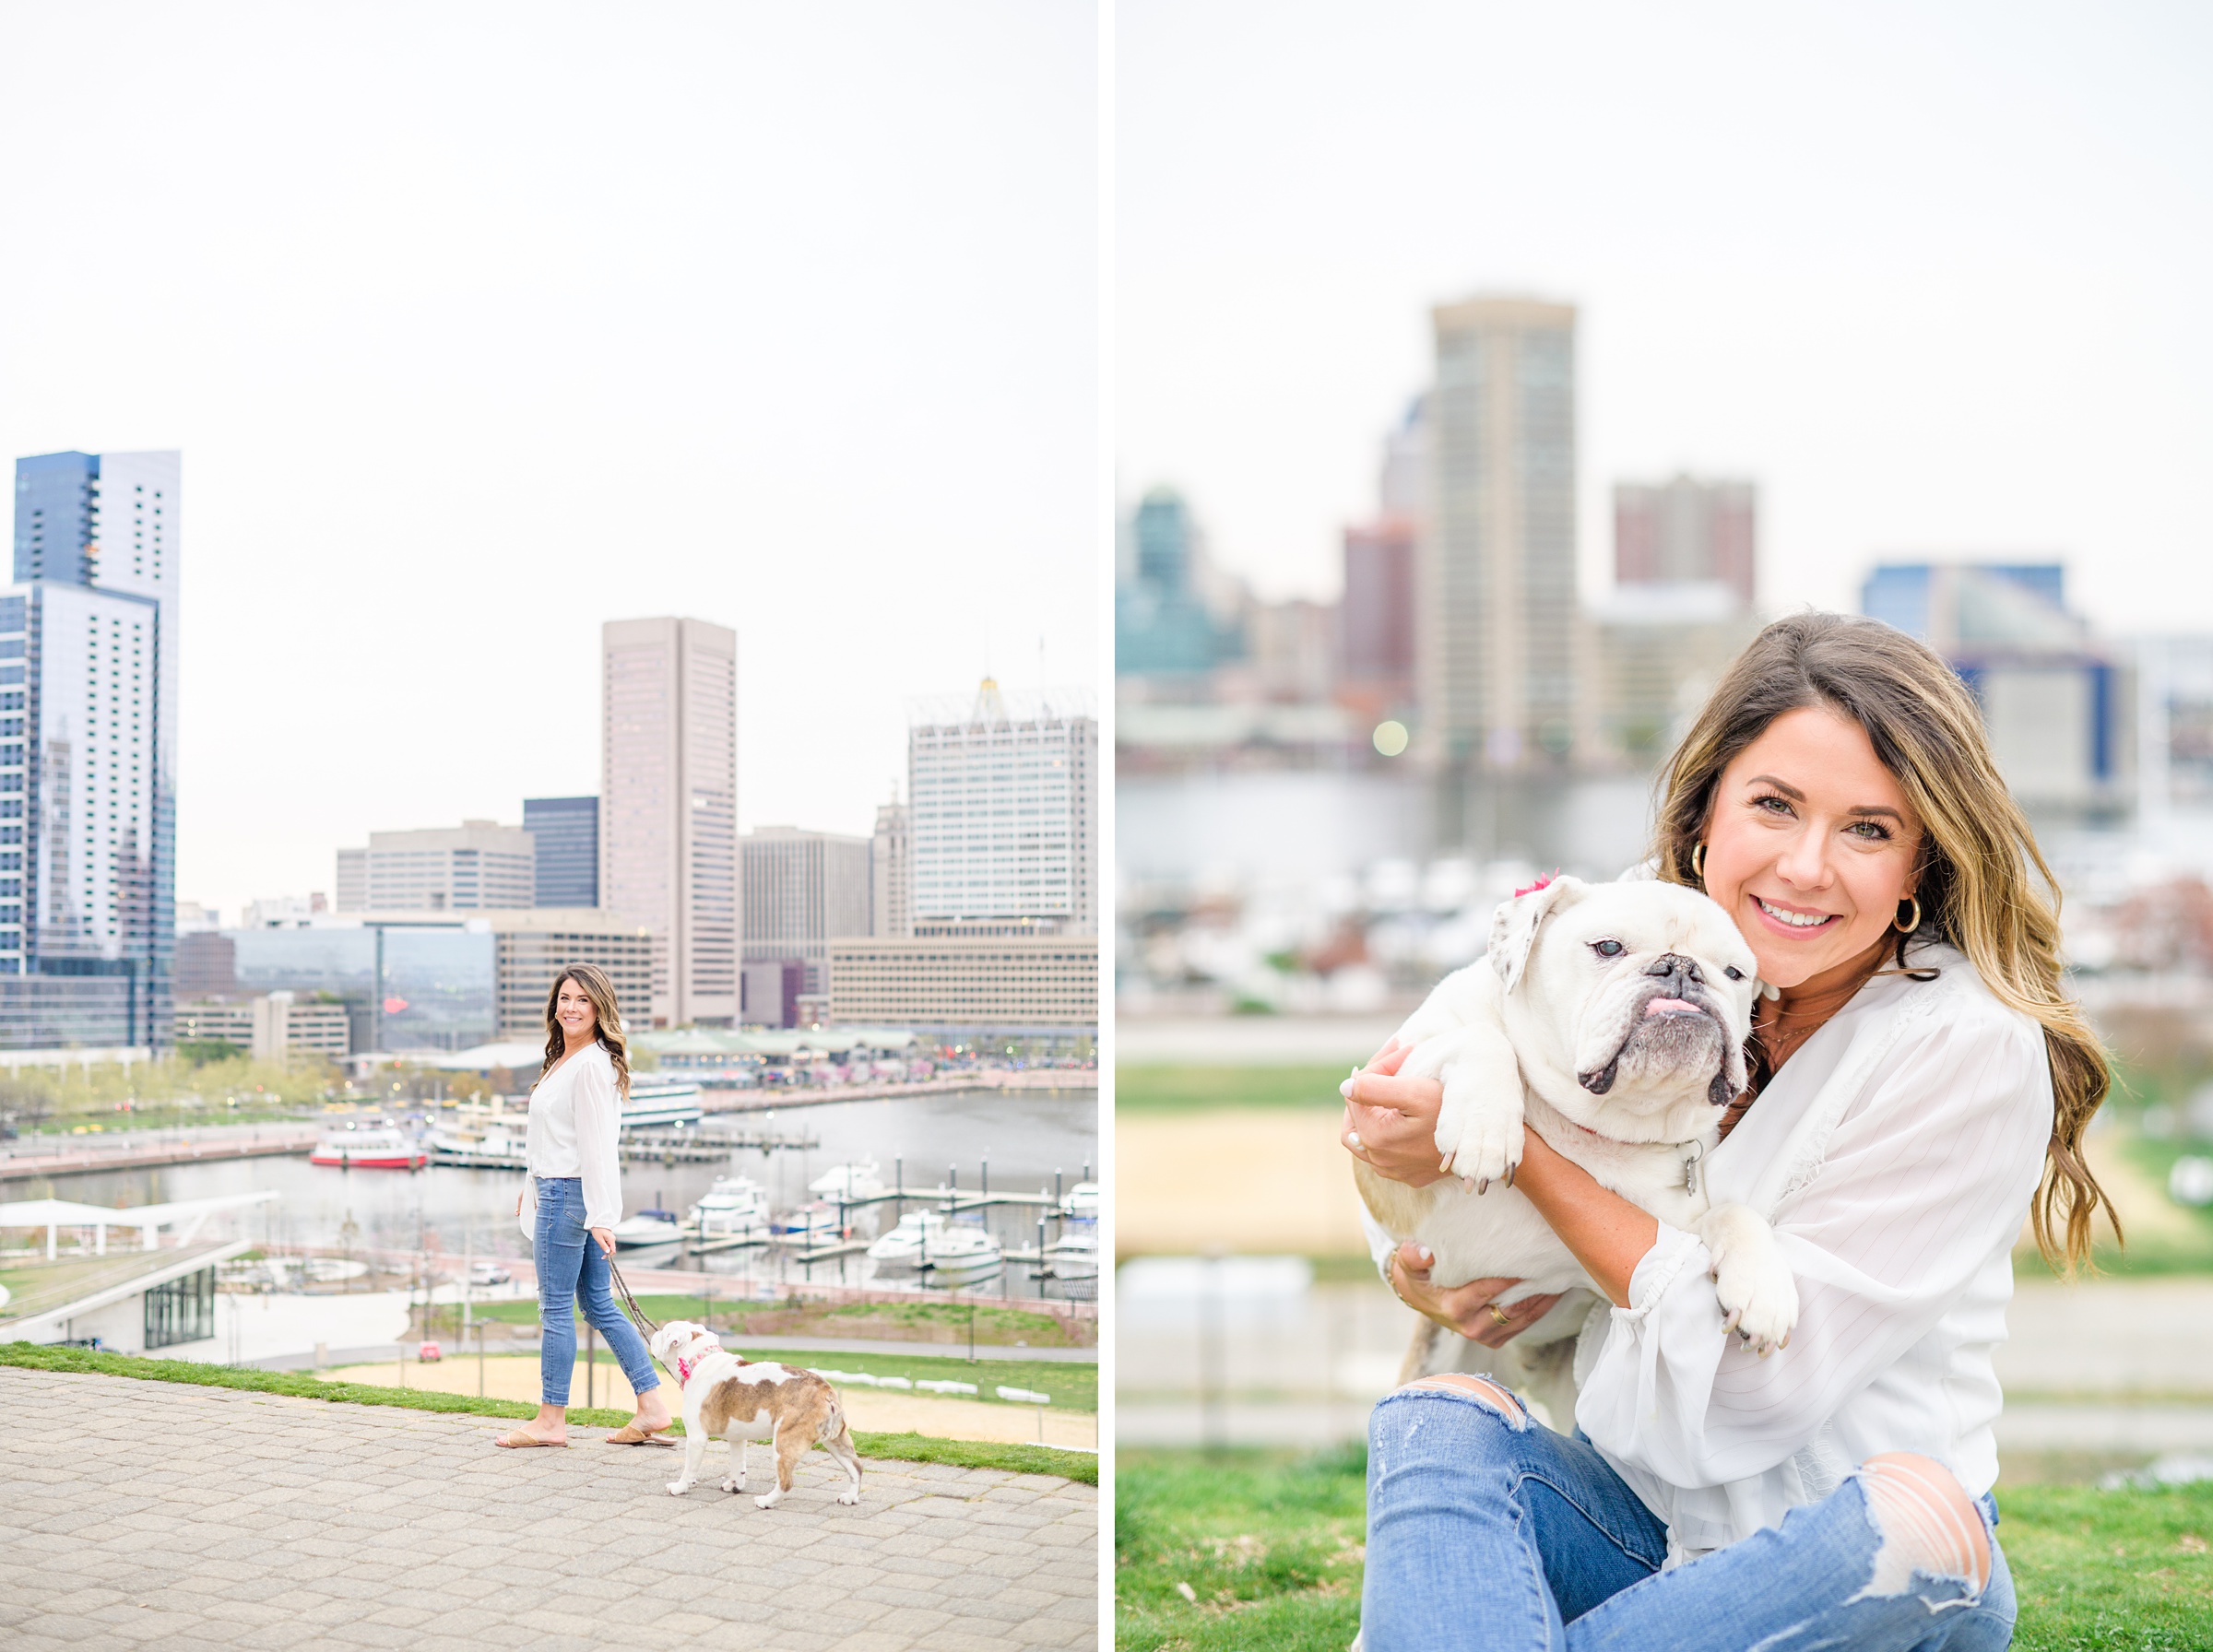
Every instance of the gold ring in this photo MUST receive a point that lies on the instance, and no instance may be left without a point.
(1498, 1313)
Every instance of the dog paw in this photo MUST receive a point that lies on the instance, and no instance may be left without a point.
(769, 1501)
(1490, 1143)
(676, 1488)
(849, 1498)
(733, 1484)
(1759, 1297)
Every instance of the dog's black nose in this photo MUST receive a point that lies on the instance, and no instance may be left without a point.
(1676, 970)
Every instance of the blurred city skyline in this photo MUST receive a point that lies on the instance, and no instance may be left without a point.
(1927, 279)
(476, 331)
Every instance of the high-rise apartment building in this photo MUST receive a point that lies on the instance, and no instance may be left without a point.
(1375, 618)
(1005, 798)
(89, 638)
(1687, 531)
(890, 875)
(566, 832)
(476, 865)
(1495, 615)
(669, 807)
(802, 889)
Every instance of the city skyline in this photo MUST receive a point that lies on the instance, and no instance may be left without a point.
(484, 353)
(1966, 326)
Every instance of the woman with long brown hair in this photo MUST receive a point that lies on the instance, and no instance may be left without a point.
(1920, 1085)
(575, 1119)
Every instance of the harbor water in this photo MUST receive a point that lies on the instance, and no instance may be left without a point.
(1026, 1138)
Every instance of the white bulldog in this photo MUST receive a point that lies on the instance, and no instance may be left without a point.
(1610, 1019)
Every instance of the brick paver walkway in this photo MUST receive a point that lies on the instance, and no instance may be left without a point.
(165, 1515)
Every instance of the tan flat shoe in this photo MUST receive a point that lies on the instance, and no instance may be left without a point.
(514, 1439)
(630, 1433)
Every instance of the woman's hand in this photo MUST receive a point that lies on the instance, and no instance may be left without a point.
(1389, 1121)
(518, 1206)
(605, 1238)
(1463, 1308)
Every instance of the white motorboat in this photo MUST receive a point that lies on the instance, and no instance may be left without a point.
(371, 1146)
(485, 1147)
(849, 1182)
(959, 1252)
(1082, 1201)
(902, 1247)
(734, 1207)
(647, 1227)
(656, 1102)
(1075, 1255)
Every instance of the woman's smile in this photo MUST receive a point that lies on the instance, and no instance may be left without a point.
(1793, 920)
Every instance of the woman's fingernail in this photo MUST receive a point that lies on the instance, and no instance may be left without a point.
(1345, 1089)
(1352, 1139)
(1423, 1252)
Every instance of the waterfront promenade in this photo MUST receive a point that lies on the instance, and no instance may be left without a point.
(160, 1514)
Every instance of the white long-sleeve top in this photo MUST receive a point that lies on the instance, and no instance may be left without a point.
(1895, 1153)
(575, 1117)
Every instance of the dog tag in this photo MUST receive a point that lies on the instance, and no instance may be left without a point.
(1690, 1168)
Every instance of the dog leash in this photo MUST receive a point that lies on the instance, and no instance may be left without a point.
(629, 1303)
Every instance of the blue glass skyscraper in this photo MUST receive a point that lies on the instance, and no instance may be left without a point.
(567, 830)
(87, 752)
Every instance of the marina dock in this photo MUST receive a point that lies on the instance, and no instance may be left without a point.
(17, 1164)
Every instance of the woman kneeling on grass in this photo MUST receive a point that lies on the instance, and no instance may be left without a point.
(575, 1117)
(1919, 1084)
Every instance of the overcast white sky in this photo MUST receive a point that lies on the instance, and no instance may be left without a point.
(1936, 277)
(478, 325)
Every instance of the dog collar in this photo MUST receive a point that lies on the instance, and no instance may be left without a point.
(683, 1370)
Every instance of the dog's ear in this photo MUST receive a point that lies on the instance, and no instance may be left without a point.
(1514, 925)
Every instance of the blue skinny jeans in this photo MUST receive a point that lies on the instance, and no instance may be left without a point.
(1501, 1534)
(572, 1273)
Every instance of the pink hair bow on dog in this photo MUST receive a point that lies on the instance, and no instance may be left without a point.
(1544, 882)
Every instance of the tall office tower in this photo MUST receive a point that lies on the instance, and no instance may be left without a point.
(1496, 617)
(1004, 798)
(567, 833)
(891, 873)
(476, 865)
(669, 807)
(1375, 619)
(1685, 531)
(802, 889)
(87, 752)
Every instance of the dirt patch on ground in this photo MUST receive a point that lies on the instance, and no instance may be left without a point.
(925, 1322)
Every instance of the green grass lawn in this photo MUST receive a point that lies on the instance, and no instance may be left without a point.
(1269, 1544)
(1074, 1385)
(1182, 1088)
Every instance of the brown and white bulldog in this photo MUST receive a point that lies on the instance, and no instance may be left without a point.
(741, 1400)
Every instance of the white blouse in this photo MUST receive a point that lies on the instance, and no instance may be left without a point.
(575, 1117)
(1896, 1153)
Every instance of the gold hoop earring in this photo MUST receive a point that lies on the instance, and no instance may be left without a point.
(1697, 863)
(1915, 901)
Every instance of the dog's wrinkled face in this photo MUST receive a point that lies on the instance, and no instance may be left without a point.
(1628, 1002)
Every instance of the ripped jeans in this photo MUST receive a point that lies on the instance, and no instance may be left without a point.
(1485, 1532)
